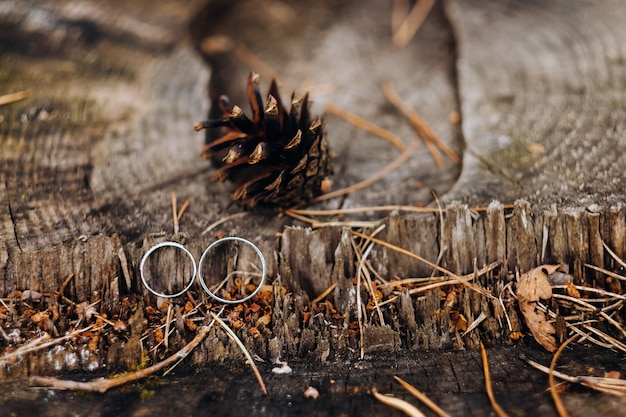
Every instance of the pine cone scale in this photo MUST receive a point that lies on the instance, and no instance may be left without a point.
(275, 157)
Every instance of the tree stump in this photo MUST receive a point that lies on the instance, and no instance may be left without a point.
(89, 162)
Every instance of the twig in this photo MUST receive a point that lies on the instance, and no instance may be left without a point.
(422, 397)
(42, 343)
(235, 339)
(13, 97)
(496, 407)
(104, 384)
(398, 404)
(613, 386)
(614, 255)
(606, 272)
(412, 23)
(553, 392)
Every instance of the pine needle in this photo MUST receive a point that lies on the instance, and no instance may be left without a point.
(422, 127)
(412, 23)
(365, 125)
(553, 392)
(13, 97)
(422, 397)
(427, 262)
(324, 294)
(395, 164)
(404, 406)
(614, 386)
(224, 220)
(235, 339)
(494, 404)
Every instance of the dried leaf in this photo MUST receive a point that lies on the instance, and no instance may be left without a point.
(236, 323)
(531, 287)
(92, 346)
(451, 299)
(264, 320)
(191, 325)
(39, 317)
(254, 332)
(158, 335)
(457, 322)
(534, 284)
(188, 307)
(572, 291)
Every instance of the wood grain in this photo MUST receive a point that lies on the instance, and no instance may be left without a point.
(89, 161)
(542, 91)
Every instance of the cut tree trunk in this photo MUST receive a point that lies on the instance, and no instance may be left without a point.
(90, 160)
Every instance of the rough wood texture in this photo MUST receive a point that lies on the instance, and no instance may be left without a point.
(453, 380)
(542, 94)
(88, 162)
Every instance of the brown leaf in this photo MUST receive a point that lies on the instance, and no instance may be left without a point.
(191, 325)
(264, 320)
(540, 328)
(534, 284)
(457, 322)
(158, 335)
(39, 317)
(531, 287)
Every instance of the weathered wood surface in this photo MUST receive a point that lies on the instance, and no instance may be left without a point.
(453, 380)
(542, 93)
(114, 153)
(89, 161)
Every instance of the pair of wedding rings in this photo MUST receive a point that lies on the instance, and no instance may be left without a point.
(197, 269)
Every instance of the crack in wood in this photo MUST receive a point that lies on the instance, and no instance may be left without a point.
(12, 217)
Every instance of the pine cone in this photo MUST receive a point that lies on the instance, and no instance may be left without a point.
(277, 157)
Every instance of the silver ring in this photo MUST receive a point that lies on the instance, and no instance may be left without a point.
(218, 242)
(161, 245)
